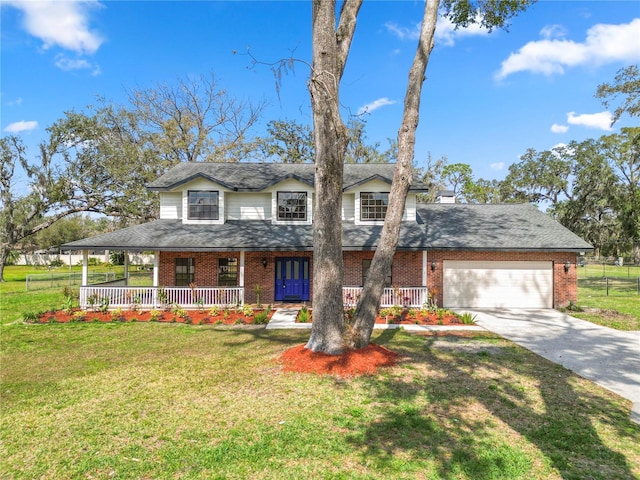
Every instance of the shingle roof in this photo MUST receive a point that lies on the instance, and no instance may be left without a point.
(245, 177)
(495, 227)
(440, 226)
(172, 235)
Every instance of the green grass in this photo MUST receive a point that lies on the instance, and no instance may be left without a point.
(176, 401)
(15, 300)
(181, 401)
(601, 308)
(599, 271)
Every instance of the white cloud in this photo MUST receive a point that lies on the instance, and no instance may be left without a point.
(603, 44)
(404, 33)
(555, 128)
(601, 121)
(62, 24)
(15, 103)
(446, 32)
(553, 31)
(560, 150)
(497, 165)
(65, 63)
(376, 104)
(22, 126)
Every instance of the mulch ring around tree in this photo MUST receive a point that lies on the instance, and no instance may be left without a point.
(363, 361)
(193, 317)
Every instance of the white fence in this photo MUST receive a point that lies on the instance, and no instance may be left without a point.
(401, 296)
(41, 281)
(44, 259)
(101, 296)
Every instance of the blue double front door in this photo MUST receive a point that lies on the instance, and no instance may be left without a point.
(292, 279)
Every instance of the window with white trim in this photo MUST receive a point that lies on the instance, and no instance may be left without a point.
(203, 205)
(292, 206)
(373, 205)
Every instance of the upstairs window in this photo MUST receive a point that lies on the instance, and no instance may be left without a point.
(203, 205)
(292, 206)
(373, 206)
(185, 271)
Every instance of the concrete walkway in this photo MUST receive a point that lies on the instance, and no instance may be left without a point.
(286, 318)
(610, 358)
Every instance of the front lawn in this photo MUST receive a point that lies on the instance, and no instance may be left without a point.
(620, 309)
(152, 400)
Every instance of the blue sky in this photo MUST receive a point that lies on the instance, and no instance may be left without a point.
(487, 98)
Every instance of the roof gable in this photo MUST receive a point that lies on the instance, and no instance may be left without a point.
(248, 177)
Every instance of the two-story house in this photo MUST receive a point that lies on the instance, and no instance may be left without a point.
(245, 229)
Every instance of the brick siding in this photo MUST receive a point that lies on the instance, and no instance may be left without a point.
(406, 270)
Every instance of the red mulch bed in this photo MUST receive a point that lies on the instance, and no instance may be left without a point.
(363, 361)
(414, 317)
(193, 317)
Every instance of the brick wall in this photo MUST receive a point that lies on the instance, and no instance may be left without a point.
(407, 270)
(206, 271)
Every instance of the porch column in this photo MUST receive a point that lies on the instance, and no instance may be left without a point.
(156, 268)
(241, 274)
(85, 267)
(126, 267)
(424, 268)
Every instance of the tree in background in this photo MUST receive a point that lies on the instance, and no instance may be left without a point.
(331, 41)
(68, 229)
(287, 142)
(59, 186)
(590, 187)
(102, 159)
(626, 84)
(195, 120)
(622, 152)
(291, 142)
(457, 176)
(431, 176)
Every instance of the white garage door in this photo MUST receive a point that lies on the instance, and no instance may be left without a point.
(498, 284)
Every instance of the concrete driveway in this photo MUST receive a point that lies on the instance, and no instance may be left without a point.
(608, 357)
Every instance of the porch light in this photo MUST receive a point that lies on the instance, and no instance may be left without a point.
(433, 266)
(567, 266)
(264, 262)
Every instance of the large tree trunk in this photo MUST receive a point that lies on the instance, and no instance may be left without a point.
(369, 302)
(4, 255)
(330, 49)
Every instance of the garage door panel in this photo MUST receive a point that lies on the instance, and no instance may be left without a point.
(498, 284)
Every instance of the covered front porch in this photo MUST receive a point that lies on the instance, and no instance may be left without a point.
(231, 278)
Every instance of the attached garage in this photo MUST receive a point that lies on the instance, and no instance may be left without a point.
(498, 284)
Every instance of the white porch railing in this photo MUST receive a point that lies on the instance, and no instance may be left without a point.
(402, 296)
(94, 296)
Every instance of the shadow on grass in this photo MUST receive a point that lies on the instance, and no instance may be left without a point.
(449, 414)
